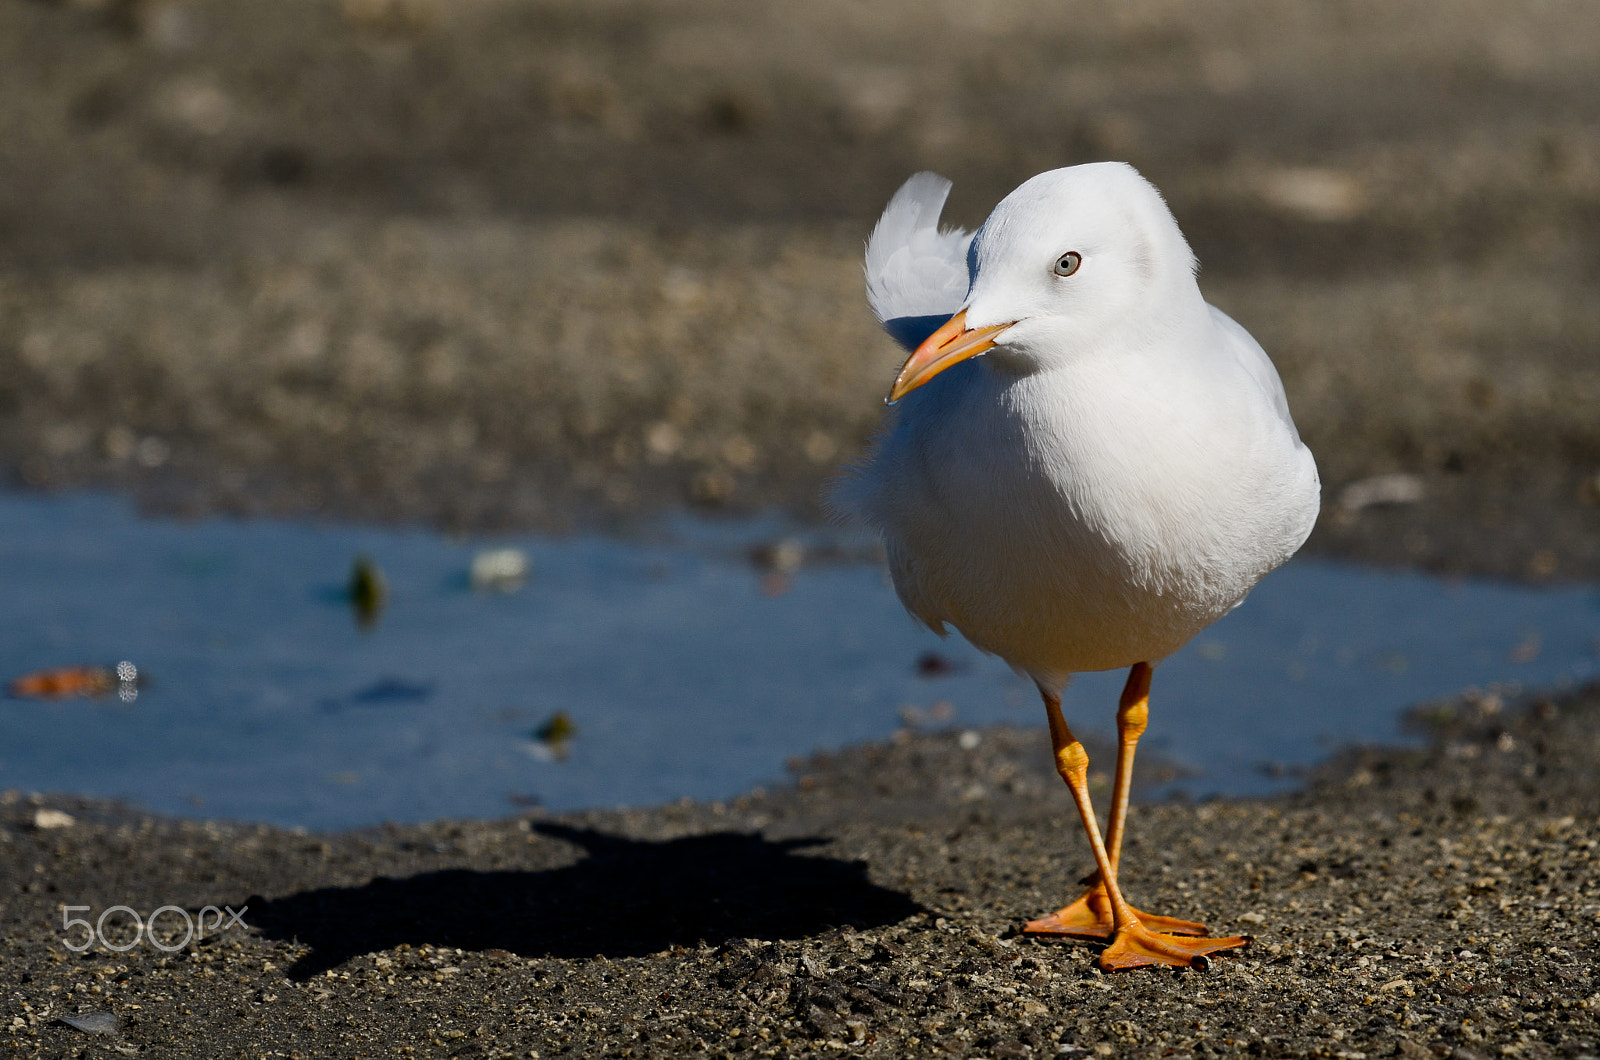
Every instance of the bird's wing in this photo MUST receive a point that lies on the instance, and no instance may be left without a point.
(1254, 360)
(916, 273)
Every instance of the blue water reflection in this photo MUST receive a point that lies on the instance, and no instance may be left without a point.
(683, 678)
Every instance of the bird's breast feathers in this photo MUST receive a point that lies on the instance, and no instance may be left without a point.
(1083, 523)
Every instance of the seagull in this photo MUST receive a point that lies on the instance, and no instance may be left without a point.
(1084, 466)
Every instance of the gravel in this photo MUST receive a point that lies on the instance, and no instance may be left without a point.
(1442, 901)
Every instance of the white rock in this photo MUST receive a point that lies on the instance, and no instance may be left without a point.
(1396, 488)
(503, 569)
(1316, 194)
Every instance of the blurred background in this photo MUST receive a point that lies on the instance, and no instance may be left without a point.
(497, 268)
(550, 263)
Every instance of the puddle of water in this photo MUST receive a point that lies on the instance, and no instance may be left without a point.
(682, 678)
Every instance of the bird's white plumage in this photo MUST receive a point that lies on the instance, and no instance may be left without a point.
(916, 271)
(1117, 472)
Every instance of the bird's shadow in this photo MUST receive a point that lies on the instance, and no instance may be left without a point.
(627, 898)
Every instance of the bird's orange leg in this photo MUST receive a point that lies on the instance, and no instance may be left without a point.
(1132, 944)
(1090, 916)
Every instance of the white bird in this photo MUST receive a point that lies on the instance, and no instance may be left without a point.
(1087, 464)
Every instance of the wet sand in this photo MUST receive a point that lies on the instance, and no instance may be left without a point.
(1434, 902)
(542, 264)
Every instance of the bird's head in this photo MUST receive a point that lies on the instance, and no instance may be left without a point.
(1069, 259)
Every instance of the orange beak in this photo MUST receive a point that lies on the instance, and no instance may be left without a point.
(950, 345)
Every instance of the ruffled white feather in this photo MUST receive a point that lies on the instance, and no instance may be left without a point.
(915, 269)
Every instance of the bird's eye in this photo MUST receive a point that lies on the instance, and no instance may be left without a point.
(1068, 263)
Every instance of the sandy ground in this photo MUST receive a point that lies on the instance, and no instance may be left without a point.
(516, 263)
(563, 263)
(1442, 902)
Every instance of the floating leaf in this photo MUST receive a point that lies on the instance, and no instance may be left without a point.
(558, 728)
(553, 735)
(367, 592)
